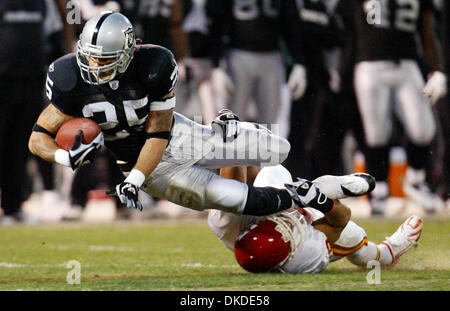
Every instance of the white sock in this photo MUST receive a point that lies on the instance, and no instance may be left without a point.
(369, 252)
(415, 176)
(385, 255)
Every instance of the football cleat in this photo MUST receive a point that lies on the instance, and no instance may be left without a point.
(378, 205)
(406, 236)
(378, 198)
(422, 195)
(339, 187)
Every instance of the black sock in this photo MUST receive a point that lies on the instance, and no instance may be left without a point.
(377, 162)
(418, 156)
(263, 201)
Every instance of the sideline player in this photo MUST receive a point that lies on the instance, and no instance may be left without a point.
(386, 66)
(304, 240)
(127, 90)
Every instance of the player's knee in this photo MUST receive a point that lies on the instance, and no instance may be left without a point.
(226, 194)
(424, 135)
(377, 140)
(278, 148)
(352, 237)
(283, 149)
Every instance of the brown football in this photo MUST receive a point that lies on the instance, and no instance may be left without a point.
(66, 133)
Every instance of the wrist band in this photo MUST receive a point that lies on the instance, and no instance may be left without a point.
(322, 203)
(136, 178)
(62, 157)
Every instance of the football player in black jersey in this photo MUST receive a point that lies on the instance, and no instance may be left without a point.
(386, 67)
(127, 89)
(255, 68)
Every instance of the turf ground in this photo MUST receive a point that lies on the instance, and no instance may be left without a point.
(170, 255)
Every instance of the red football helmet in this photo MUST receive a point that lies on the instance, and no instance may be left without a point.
(267, 244)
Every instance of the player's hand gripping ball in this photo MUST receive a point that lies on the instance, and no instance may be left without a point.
(82, 138)
(67, 132)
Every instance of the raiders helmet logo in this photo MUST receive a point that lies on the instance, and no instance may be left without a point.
(129, 35)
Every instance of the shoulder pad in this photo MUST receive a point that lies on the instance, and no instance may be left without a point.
(158, 69)
(64, 72)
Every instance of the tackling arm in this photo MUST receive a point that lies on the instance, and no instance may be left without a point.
(334, 222)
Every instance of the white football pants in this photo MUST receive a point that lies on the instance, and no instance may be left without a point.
(257, 76)
(375, 83)
(182, 177)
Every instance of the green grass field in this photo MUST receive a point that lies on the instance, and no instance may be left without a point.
(169, 255)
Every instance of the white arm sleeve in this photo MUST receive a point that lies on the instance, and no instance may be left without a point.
(167, 104)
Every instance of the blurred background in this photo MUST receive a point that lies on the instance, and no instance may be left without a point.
(291, 63)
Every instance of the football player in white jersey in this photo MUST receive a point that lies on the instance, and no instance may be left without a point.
(304, 240)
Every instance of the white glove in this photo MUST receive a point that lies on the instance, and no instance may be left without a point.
(436, 86)
(297, 81)
(128, 194)
(222, 83)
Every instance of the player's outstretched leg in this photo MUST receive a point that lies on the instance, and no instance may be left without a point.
(389, 251)
(406, 236)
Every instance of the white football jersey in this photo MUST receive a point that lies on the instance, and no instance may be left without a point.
(313, 253)
(312, 256)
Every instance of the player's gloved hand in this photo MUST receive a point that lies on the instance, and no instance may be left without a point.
(226, 123)
(436, 86)
(222, 83)
(305, 194)
(128, 194)
(297, 81)
(81, 154)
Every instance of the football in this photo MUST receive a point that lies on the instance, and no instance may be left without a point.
(66, 133)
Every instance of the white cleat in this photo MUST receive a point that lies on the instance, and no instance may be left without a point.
(422, 195)
(339, 187)
(406, 236)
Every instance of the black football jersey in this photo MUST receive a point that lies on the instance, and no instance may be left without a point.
(120, 107)
(257, 25)
(319, 33)
(387, 29)
(22, 38)
(154, 16)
